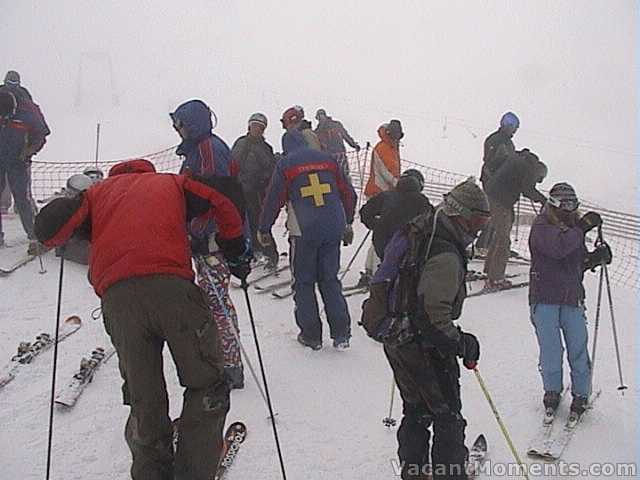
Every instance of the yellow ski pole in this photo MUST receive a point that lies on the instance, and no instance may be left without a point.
(500, 423)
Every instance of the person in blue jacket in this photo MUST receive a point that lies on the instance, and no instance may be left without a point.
(321, 205)
(207, 155)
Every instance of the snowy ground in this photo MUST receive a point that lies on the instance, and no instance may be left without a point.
(330, 404)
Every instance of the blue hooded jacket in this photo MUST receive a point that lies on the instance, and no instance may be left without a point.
(24, 128)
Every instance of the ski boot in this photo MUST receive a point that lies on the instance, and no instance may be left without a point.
(365, 280)
(23, 349)
(578, 407)
(271, 265)
(312, 344)
(234, 376)
(497, 285)
(341, 343)
(35, 248)
(551, 401)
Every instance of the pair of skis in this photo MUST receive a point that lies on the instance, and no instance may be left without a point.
(234, 436)
(29, 351)
(548, 446)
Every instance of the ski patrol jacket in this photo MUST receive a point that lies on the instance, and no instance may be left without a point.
(558, 254)
(497, 148)
(23, 134)
(332, 136)
(205, 154)
(136, 221)
(385, 165)
(321, 201)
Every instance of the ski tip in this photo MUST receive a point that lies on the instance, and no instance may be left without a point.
(73, 320)
(237, 428)
(480, 443)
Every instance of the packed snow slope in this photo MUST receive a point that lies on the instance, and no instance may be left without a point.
(329, 404)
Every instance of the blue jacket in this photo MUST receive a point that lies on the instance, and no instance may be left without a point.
(557, 263)
(320, 197)
(205, 154)
(22, 134)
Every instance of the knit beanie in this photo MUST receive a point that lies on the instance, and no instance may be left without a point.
(466, 199)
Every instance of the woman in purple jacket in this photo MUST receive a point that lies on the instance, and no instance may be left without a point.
(559, 258)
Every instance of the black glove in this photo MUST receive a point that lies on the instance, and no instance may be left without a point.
(469, 350)
(240, 267)
(601, 255)
(347, 236)
(589, 221)
(357, 148)
(237, 252)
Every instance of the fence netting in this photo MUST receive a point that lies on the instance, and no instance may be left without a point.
(621, 230)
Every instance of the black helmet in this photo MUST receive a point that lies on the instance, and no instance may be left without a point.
(394, 128)
(417, 174)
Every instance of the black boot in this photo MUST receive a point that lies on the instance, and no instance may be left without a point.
(551, 400)
(578, 405)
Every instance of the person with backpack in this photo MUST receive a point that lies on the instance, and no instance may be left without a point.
(256, 163)
(208, 156)
(320, 209)
(559, 259)
(23, 133)
(517, 176)
(388, 211)
(383, 176)
(497, 148)
(416, 295)
(140, 267)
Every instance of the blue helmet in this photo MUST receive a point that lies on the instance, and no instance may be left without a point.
(510, 120)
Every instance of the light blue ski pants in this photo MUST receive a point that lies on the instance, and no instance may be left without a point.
(549, 321)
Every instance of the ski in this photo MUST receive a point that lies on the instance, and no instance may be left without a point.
(235, 435)
(486, 291)
(542, 440)
(475, 276)
(477, 457)
(27, 352)
(354, 292)
(272, 286)
(4, 271)
(282, 293)
(560, 443)
(262, 276)
(69, 394)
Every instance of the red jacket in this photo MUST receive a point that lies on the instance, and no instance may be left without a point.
(138, 223)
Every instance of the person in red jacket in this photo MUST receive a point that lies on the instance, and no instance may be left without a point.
(140, 267)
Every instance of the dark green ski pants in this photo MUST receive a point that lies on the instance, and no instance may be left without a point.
(140, 315)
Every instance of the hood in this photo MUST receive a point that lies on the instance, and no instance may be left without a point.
(408, 183)
(293, 140)
(195, 115)
(132, 166)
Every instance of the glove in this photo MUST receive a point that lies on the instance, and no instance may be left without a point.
(240, 267)
(357, 147)
(264, 239)
(347, 236)
(469, 350)
(589, 221)
(601, 255)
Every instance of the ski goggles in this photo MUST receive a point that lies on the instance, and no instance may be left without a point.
(177, 123)
(566, 204)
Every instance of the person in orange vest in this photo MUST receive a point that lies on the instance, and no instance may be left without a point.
(383, 176)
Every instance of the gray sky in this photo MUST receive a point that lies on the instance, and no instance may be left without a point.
(569, 69)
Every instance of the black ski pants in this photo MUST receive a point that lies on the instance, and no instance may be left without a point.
(430, 391)
(141, 314)
(15, 173)
(254, 201)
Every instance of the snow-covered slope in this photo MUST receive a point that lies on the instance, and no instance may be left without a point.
(330, 404)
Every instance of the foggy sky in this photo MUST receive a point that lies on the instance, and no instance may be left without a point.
(569, 69)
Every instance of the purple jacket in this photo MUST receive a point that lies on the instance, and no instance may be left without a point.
(557, 263)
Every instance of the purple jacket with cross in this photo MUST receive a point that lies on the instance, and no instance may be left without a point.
(557, 263)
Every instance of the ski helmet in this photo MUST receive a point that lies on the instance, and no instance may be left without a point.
(414, 173)
(563, 196)
(94, 173)
(510, 121)
(321, 113)
(78, 183)
(8, 104)
(12, 78)
(258, 118)
(292, 115)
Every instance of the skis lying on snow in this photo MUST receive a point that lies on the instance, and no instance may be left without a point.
(477, 456)
(233, 437)
(272, 286)
(476, 276)
(4, 271)
(69, 394)
(27, 352)
(282, 293)
(262, 276)
(486, 291)
(551, 447)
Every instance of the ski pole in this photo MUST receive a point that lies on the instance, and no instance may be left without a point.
(245, 288)
(500, 422)
(355, 255)
(236, 334)
(622, 387)
(517, 219)
(595, 330)
(390, 421)
(55, 366)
